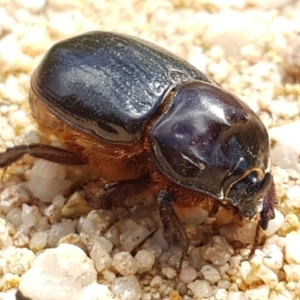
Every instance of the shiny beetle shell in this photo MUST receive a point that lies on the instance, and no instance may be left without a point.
(121, 103)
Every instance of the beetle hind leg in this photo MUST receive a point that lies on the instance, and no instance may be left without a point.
(115, 194)
(49, 153)
(173, 228)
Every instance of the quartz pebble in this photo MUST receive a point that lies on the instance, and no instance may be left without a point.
(200, 289)
(126, 288)
(145, 260)
(124, 263)
(274, 224)
(210, 273)
(101, 257)
(292, 247)
(30, 215)
(4, 234)
(188, 275)
(59, 230)
(218, 251)
(13, 196)
(38, 241)
(73, 271)
(95, 291)
(15, 216)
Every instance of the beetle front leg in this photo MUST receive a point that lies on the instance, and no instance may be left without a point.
(49, 153)
(173, 228)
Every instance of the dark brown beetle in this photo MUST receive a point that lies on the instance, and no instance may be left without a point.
(148, 120)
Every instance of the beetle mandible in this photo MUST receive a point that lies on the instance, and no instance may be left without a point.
(149, 121)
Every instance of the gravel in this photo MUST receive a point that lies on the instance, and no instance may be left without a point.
(54, 246)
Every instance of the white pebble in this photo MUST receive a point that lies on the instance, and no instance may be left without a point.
(273, 258)
(210, 273)
(126, 288)
(218, 251)
(200, 289)
(101, 257)
(170, 273)
(38, 241)
(292, 272)
(14, 216)
(275, 223)
(145, 260)
(108, 275)
(30, 215)
(24, 229)
(42, 224)
(267, 275)
(156, 281)
(113, 235)
(221, 294)
(235, 295)
(261, 292)
(66, 270)
(188, 275)
(60, 230)
(18, 260)
(124, 263)
(95, 291)
(292, 247)
(47, 180)
(13, 196)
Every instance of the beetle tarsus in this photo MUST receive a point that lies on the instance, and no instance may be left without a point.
(49, 153)
(173, 228)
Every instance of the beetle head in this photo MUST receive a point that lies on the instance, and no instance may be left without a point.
(210, 141)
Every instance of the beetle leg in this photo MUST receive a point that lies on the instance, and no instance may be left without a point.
(173, 228)
(269, 201)
(115, 194)
(49, 153)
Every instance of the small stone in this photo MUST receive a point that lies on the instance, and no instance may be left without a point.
(4, 234)
(59, 273)
(13, 196)
(95, 291)
(218, 251)
(201, 289)
(124, 263)
(108, 275)
(290, 223)
(72, 239)
(133, 237)
(96, 222)
(47, 180)
(38, 241)
(188, 275)
(292, 247)
(145, 260)
(156, 281)
(101, 257)
(14, 216)
(273, 258)
(210, 273)
(126, 288)
(169, 272)
(30, 215)
(261, 292)
(267, 275)
(232, 295)
(59, 230)
(113, 235)
(196, 259)
(76, 207)
(275, 223)
(292, 272)
(8, 281)
(42, 224)
(247, 273)
(221, 294)
(18, 260)
(20, 240)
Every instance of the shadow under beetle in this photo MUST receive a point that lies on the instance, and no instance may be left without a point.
(149, 121)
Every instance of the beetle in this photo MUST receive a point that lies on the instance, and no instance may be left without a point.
(149, 121)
